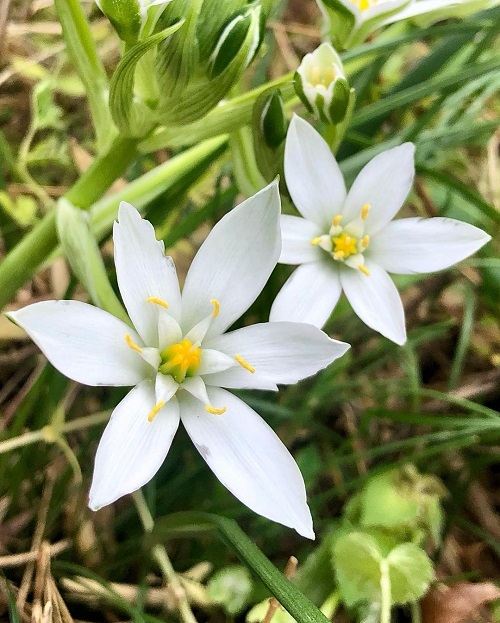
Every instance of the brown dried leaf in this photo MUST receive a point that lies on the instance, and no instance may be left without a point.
(455, 604)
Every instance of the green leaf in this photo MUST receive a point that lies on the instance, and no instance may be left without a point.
(357, 559)
(385, 504)
(134, 118)
(125, 15)
(46, 113)
(80, 247)
(192, 524)
(231, 587)
(410, 572)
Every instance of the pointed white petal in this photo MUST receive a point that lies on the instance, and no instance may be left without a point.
(309, 295)
(383, 8)
(169, 330)
(416, 245)
(249, 459)
(83, 342)
(376, 301)
(285, 352)
(213, 361)
(165, 387)
(235, 261)
(384, 184)
(312, 174)
(196, 387)
(239, 378)
(132, 449)
(143, 272)
(296, 234)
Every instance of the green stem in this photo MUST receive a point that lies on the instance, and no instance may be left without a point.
(20, 264)
(160, 555)
(385, 589)
(50, 434)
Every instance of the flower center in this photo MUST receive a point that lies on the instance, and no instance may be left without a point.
(364, 4)
(321, 76)
(347, 243)
(180, 360)
(344, 246)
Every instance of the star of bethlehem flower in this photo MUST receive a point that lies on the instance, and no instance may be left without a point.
(179, 358)
(347, 241)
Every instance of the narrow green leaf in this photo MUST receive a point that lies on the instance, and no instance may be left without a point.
(192, 524)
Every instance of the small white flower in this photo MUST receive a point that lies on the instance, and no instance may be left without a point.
(348, 241)
(321, 84)
(179, 358)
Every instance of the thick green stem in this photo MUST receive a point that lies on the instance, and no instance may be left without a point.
(385, 589)
(20, 264)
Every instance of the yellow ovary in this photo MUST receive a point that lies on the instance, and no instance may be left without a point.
(344, 246)
(180, 360)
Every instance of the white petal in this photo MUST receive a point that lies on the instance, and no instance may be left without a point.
(152, 356)
(196, 387)
(83, 342)
(384, 184)
(198, 332)
(143, 271)
(312, 174)
(165, 387)
(249, 459)
(239, 378)
(309, 295)
(415, 245)
(132, 449)
(382, 8)
(235, 261)
(285, 352)
(376, 301)
(169, 330)
(296, 234)
(213, 361)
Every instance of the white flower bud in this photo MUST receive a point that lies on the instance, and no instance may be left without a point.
(321, 84)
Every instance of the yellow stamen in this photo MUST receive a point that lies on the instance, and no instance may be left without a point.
(132, 344)
(244, 364)
(214, 410)
(154, 411)
(364, 211)
(216, 305)
(336, 220)
(365, 241)
(364, 270)
(316, 241)
(157, 301)
(338, 255)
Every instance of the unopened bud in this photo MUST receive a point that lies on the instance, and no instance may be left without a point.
(242, 30)
(321, 84)
(129, 16)
(273, 124)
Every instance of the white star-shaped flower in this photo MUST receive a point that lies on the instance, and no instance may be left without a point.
(348, 240)
(179, 357)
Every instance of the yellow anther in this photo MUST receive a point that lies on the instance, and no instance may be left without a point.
(316, 241)
(244, 364)
(157, 301)
(364, 270)
(336, 220)
(132, 344)
(365, 241)
(154, 411)
(214, 410)
(364, 211)
(216, 305)
(339, 255)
